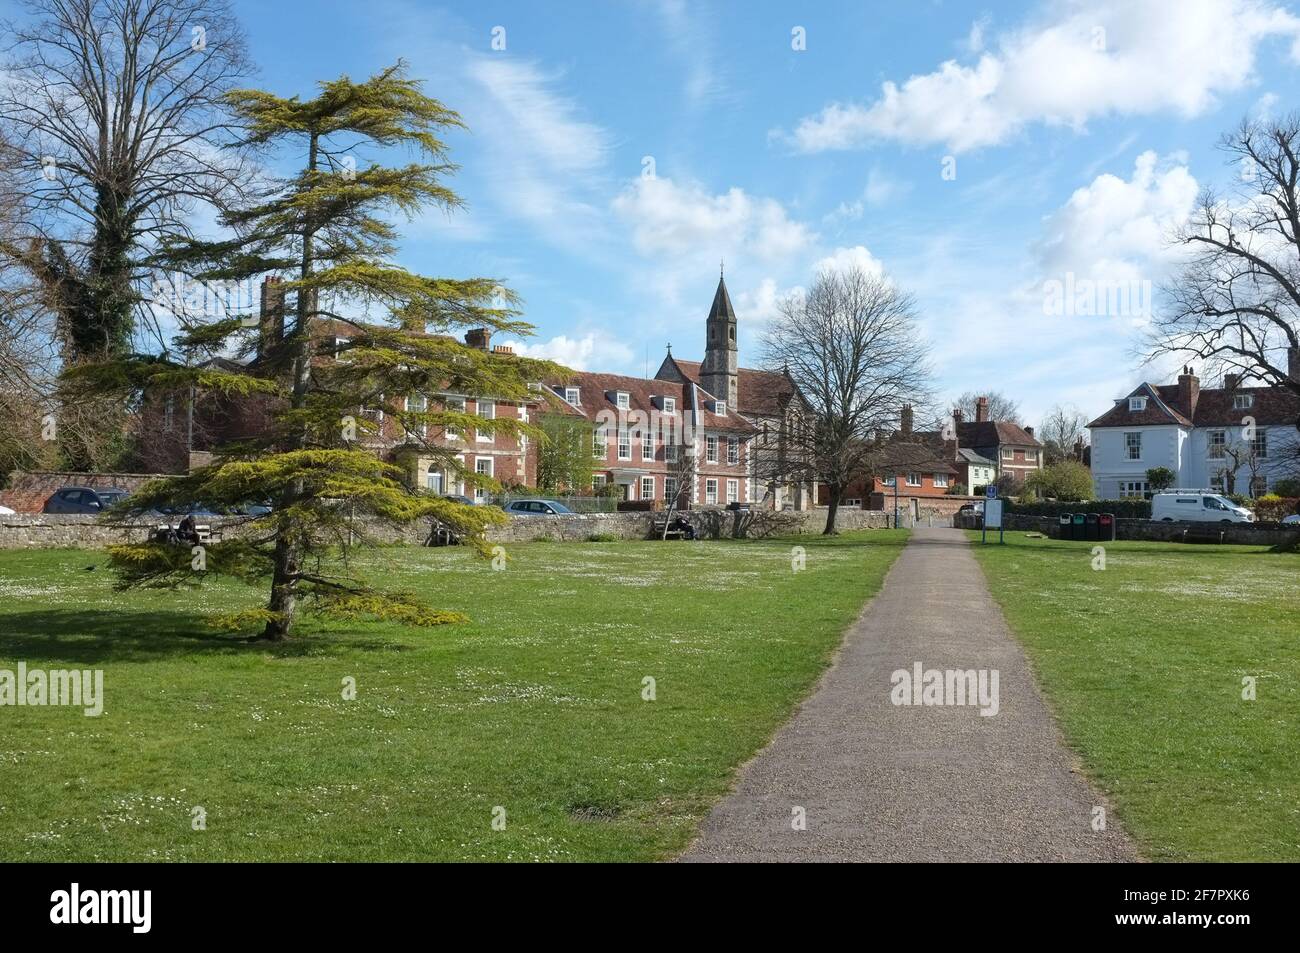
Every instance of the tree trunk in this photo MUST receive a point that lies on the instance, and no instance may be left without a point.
(831, 509)
(284, 593)
(284, 585)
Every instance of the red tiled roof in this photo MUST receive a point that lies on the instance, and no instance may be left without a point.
(1214, 407)
(596, 393)
(761, 393)
(993, 433)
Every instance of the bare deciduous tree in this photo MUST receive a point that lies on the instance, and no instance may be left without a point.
(1236, 303)
(1001, 407)
(114, 116)
(1060, 432)
(852, 347)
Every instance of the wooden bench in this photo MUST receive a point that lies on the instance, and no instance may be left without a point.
(657, 529)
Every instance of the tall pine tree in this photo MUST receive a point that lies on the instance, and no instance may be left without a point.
(328, 230)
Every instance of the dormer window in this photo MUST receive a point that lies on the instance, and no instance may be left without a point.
(573, 395)
(1243, 401)
(720, 408)
(622, 399)
(1137, 403)
(670, 405)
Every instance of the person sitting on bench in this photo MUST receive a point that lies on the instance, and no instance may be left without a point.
(683, 526)
(187, 532)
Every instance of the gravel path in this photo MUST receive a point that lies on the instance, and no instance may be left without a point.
(879, 781)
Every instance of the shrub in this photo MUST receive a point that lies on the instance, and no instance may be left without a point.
(1273, 508)
(1288, 487)
(1067, 480)
(602, 538)
(1160, 478)
(1123, 509)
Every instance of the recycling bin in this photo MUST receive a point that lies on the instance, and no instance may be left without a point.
(1107, 525)
(1092, 526)
(1077, 530)
(1065, 521)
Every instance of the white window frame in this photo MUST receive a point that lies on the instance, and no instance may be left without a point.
(423, 427)
(1133, 489)
(890, 480)
(624, 444)
(457, 404)
(622, 400)
(1008, 454)
(733, 491)
(432, 476)
(599, 443)
(599, 479)
(573, 395)
(670, 405)
(670, 452)
(733, 451)
(917, 482)
(711, 491)
(1136, 404)
(647, 445)
(711, 448)
(479, 407)
(720, 408)
(1259, 446)
(1132, 445)
(1216, 444)
(480, 493)
(940, 480)
(1243, 401)
(670, 489)
(644, 494)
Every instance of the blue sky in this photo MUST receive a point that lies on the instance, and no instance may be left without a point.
(1079, 135)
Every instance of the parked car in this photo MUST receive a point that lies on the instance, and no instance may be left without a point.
(83, 499)
(5, 511)
(1198, 507)
(536, 508)
(458, 498)
(1292, 520)
(975, 508)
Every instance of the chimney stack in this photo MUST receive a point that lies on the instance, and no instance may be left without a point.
(981, 410)
(1030, 431)
(907, 420)
(270, 321)
(1189, 392)
(478, 338)
(1293, 363)
(1231, 381)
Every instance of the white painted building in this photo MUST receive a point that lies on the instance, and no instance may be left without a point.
(1233, 439)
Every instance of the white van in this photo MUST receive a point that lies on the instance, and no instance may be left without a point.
(1198, 506)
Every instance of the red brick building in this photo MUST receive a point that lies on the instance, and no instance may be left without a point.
(643, 430)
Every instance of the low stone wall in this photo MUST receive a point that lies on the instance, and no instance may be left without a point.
(28, 490)
(43, 531)
(1250, 534)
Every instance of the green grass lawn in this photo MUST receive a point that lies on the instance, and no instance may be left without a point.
(535, 706)
(1143, 663)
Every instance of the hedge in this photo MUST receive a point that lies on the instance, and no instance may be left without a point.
(1123, 509)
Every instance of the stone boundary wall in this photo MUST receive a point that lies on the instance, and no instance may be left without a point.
(1250, 534)
(43, 531)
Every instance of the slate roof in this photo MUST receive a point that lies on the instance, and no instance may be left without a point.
(721, 307)
(970, 456)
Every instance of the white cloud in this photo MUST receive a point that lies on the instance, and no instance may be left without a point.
(844, 259)
(545, 160)
(674, 221)
(595, 349)
(1117, 229)
(1113, 57)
